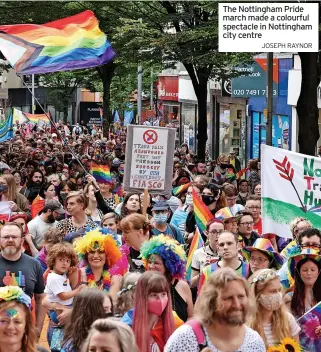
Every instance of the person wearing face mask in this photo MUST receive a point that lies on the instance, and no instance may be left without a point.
(224, 171)
(271, 318)
(160, 212)
(155, 321)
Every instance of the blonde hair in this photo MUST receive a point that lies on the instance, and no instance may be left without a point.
(110, 216)
(209, 300)
(126, 298)
(280, 318)
(80, 198)
(294, 223)
(121, 332)
(12, 188)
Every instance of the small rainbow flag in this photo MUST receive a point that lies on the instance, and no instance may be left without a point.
(197, 243)
(101, 173)
(70, 43)
(180, 189)
(316, 209)
(201, 211)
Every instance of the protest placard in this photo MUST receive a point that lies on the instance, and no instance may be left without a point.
(291, 187)
(149, 159)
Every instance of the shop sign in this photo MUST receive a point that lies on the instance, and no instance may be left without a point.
(90, 113)
(167, 88)
(253, 81)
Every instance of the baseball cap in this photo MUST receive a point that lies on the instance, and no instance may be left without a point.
(160, 205)
(55, 205)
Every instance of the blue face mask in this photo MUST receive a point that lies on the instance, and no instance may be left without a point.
(160, 218)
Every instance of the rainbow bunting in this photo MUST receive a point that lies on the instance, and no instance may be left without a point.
(180, 189)
(197, 243)
(70, 43)
(101, 173)
(201, 212)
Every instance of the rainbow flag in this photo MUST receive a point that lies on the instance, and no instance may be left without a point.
(70, 43)
(201, 212)
(197, 243)
(40, 119)
(180, 189)
(101, 173)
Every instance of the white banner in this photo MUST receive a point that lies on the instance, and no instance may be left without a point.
(291, 187)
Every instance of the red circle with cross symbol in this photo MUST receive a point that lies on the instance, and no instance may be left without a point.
(150, 137)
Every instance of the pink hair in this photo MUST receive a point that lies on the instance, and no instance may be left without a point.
(151, 282)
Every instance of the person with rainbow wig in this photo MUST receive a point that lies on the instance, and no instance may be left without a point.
(165, 255)
(102, 262)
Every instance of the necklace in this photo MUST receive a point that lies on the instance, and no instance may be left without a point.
(106, 280)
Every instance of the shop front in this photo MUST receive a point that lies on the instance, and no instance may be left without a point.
(252, 86)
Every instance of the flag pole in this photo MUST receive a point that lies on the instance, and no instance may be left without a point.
(54, 125)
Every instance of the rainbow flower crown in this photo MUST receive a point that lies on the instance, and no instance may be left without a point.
(14, 293)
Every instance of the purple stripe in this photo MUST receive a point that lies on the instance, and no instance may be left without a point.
(108, 56)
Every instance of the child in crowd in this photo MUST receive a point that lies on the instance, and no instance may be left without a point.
(60, 258)
(51, 237)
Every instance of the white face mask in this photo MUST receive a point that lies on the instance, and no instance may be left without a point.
(271, 302)
(189, 199)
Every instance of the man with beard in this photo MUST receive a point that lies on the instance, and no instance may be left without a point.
(227, 244)
(17, 268)
(35, 181)
(45, 221)
(222, 308)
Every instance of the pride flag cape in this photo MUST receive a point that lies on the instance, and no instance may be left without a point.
(6, 129)
(241, 173)
(201, 211)
(180, 189)
(197, 243)
(101, 173)
(70, 43)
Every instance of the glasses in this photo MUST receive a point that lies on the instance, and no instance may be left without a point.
(247, 223)
(215, 232)
(258, 260)
(7, 238)
(254, 208)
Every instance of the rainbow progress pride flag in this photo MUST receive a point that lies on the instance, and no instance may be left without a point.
(201, 211)
(67, 44)
(101, 173)
(197, 243)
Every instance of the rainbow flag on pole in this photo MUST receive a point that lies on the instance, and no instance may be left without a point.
(40, 119)
(101, 173)
(197, 243)
(67, 44)
(201, 212)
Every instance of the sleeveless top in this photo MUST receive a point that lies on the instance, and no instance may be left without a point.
(179, 305)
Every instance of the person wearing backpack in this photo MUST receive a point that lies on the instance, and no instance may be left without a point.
(160, 213)
(221, 312)
(77, 131)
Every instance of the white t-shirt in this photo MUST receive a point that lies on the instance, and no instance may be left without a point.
(184, 339)
(294, 326)
(57, 284)
(37, 228)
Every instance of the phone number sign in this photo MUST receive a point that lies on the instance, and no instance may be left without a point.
(253, 79)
